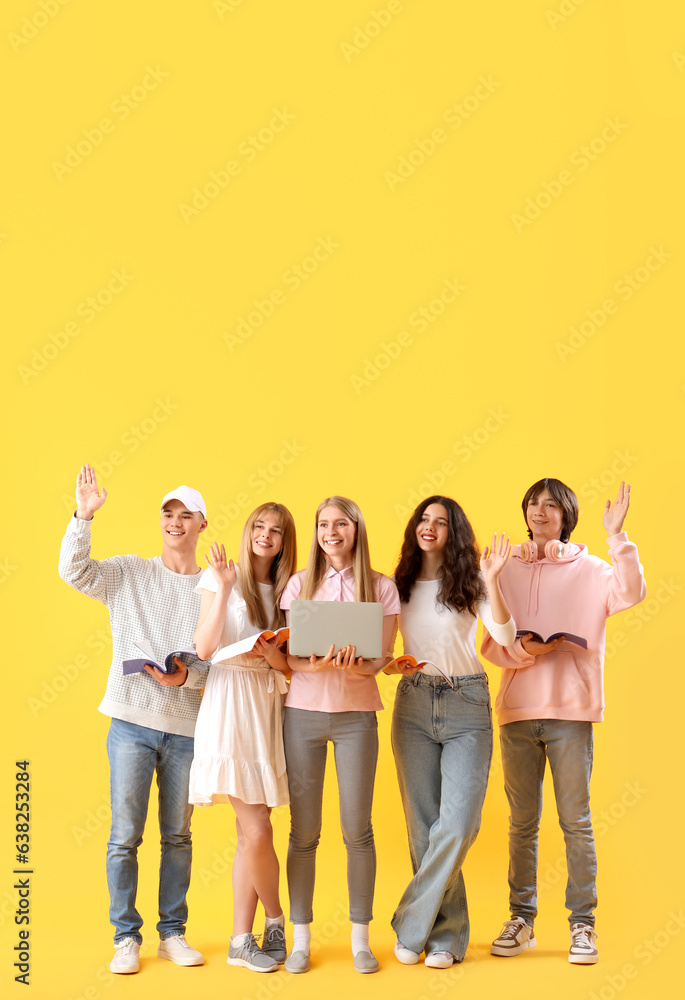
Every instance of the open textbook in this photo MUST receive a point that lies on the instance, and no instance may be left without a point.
(578, 639)
(248, 644)
(166, 665)
(420, 664)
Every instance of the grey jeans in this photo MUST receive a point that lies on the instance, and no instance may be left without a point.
(354, 736)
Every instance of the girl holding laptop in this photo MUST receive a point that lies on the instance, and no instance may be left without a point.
(334, 698)
(238, 737)
(442, 721)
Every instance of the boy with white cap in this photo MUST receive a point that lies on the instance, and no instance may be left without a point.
(153, 713)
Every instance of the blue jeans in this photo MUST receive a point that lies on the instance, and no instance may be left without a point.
(442, 741)
(135, 753)
(567, 744)
(355, 745)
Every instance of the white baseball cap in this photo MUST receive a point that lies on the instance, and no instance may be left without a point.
(190, 498)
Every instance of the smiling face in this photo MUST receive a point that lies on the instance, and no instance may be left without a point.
(337, 535)
(180, 527)
(545, 518)
(433, 528)
(267, 536)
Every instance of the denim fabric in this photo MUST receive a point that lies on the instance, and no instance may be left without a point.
(355, 746)
(567, 744)
(442, 741)
(135, 753)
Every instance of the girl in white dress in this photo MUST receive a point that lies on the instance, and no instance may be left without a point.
(239, 754)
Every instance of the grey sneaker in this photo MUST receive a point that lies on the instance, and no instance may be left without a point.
(250, 956)
(515, 937)
(583, 950)
(273, 943)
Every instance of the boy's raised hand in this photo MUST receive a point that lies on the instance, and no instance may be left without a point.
(615, 514)
(88, 497)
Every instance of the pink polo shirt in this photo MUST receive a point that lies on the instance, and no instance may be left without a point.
(335, 690)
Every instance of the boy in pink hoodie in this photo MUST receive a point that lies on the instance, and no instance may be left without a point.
(552, 691)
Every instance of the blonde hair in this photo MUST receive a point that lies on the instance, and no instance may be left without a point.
(364, 589)
(282, 568)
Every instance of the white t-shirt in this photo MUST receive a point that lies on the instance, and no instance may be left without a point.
(237, 625)
(430, 631)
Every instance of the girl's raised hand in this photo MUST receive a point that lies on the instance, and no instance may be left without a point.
(223, 571)
(494, 557)
(615, 514)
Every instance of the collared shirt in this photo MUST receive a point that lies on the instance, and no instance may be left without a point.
(335, 690)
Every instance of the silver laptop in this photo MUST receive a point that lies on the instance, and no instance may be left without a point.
(315, 625)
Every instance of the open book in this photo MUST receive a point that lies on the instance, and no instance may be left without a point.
(166, 665)
(248, 644)
(420, 664)
(578, 639)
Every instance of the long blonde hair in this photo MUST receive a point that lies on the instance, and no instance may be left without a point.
(318, 564)
(282, 568)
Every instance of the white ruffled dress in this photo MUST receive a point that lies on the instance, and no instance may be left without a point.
(239, 729)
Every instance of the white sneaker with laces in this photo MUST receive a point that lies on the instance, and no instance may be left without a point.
(177, 950)
(439, 960)
(403, 954)
(126, 961)
(516, 935)
(583, 950)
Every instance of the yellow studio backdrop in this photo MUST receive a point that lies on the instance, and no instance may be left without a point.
(282, 250)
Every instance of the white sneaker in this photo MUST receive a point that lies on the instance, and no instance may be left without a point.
(177, 950)
(516, 935)
(403, 954)
(125, 960)
(439, 960)
(583, 950)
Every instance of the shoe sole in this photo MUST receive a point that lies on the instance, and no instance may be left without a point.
(583, 959)
(512, 952)
(438, 965)
(185, 965)
(125, 972)
(246, 965)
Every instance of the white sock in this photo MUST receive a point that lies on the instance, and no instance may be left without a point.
(240, 939)
(302, 937)
(360, 939)
(274, 921)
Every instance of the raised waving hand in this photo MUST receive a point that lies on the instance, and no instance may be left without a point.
(88, 497)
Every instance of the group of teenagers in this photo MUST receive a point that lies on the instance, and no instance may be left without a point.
(253, 730)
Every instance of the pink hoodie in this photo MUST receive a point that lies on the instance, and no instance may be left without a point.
(574, 595)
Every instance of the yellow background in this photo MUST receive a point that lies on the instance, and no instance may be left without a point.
(491, 395)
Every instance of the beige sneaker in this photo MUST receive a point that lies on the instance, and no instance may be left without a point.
(583, 950)
(176, 949)
(125, 961)
(515, 937)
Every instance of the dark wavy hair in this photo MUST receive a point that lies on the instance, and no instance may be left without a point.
(562, 495)
(461, 585)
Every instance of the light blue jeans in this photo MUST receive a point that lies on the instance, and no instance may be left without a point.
(567, 745)
(354, 736)
(135, 753)
(442, 741)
